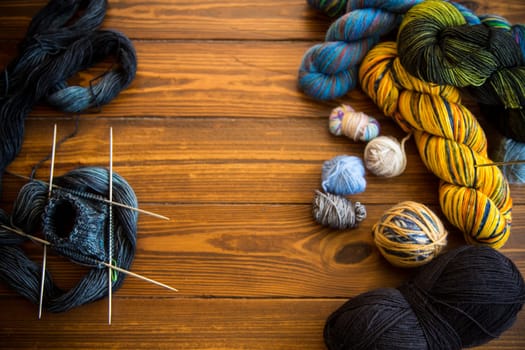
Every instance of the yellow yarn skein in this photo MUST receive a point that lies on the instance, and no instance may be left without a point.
(450, 142)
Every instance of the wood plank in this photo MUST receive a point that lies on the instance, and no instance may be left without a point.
(218, 160)
(229, 79)
(258, 251)
(195, 175)
(208, 19)
(142, 324)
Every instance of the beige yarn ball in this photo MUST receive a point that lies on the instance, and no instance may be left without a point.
(385, 156)
(409, 234)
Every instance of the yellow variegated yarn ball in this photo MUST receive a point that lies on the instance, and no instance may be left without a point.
(409, 234)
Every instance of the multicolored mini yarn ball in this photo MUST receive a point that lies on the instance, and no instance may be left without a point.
(358, 126)
(384, 156)
(409, 234)
(343, 175)
(337, 212)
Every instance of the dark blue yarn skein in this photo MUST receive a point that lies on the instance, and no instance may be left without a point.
(51, 31)
(53, 52)
(463, 298)
(68, 221)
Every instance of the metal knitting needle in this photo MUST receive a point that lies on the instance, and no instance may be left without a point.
(44, 256)
(511, 162)
(119, 269)
(104, 200)
(110, 224)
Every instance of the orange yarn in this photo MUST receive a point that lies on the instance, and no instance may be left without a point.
(450, 142)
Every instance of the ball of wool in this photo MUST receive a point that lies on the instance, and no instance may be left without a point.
(358, 126)
(385, 156)
(343, 175)
(409, 234)
(337, 212)
(450, 142)
(463, 298)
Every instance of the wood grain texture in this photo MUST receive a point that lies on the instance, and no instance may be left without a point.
(214, 134)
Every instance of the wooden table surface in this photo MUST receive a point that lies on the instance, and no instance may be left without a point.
(214, 134)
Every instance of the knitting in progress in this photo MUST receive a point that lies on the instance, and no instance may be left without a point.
(75, 218)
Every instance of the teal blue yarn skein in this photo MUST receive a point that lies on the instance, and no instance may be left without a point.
(343, 175)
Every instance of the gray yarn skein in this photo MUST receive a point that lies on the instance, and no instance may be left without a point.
(336, 211)
(81, 238)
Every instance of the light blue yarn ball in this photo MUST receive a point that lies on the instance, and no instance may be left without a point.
(343, 175)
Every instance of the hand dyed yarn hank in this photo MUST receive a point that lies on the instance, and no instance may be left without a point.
(329, 70)
(463, 298)
(75, 221)
(450, 142)
(409, 234)
(436, 44)
(62, 40)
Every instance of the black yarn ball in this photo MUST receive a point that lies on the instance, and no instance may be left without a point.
(463, 298)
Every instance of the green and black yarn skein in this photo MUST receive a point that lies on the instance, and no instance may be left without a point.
(63, 39)
(436, 44)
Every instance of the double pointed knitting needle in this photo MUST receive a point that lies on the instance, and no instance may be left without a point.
(119, 269)
(110, 224)
(511, 162)
(104, 200)
(44, 256)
